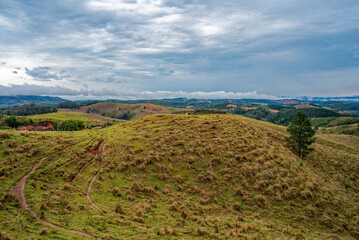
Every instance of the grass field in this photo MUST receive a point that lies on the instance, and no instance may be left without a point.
(181, 177)
(60, 116)
(134, 111)
(64, 114)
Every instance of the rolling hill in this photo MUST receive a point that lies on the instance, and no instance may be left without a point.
(65, 114)
(128, 111)
(176, 176)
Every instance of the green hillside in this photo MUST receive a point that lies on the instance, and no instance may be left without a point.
(126, 111)
(177, 176)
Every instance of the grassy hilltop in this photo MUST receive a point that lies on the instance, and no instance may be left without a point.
(178, 176)
(128, 111)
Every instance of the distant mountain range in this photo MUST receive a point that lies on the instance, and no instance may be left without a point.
(10, 101)
(325, 99)
(351, 103)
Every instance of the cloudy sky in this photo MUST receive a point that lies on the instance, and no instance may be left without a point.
(127, 49)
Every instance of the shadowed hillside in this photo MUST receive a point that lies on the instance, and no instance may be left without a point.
(179, 176)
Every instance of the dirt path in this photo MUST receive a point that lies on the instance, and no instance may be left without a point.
(94, 177)
(18, 191)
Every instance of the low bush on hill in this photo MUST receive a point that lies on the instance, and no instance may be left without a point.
(71, 125)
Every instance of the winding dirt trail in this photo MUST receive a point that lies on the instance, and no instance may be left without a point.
(94, 177)
(18, 191)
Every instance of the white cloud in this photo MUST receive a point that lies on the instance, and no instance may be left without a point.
(31, 89)
(203, 95)
(142, 7)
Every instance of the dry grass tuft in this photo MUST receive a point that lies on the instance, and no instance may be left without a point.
(4, 135)
(119, 209)
(122, 167)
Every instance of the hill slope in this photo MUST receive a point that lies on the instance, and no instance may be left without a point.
(180, 176)
(128, 111)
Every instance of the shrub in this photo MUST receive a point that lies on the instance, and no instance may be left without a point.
(71, 125)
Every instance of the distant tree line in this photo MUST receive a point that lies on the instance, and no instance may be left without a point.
(68, 104)
(285, 114)
(341, 105)
(29, 109)
(87, 103)
(76, 105)
(67, 125)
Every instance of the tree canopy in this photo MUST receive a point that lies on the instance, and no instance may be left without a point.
(30, 109)
(301, 134)
(68, 104)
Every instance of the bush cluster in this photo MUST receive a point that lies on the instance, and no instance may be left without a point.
(71, 125)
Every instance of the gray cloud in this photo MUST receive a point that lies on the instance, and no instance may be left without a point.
(42, 74)
(30, 89)
(270, 46)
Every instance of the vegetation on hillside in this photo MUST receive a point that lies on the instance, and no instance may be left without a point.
(71, 125)
(341, 105)
(29, 109)
(281, 115)
(68, 104)
(181, 177)
(76, 105)
(55, 120)
(301, 134)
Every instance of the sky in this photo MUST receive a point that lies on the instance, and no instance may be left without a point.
(145, 49)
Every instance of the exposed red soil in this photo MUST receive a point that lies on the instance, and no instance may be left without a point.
(34, 128)
(95, 149)
(18, 191)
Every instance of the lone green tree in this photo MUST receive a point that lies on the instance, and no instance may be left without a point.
(301, 134)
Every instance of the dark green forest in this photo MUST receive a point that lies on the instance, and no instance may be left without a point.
(29, 109)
